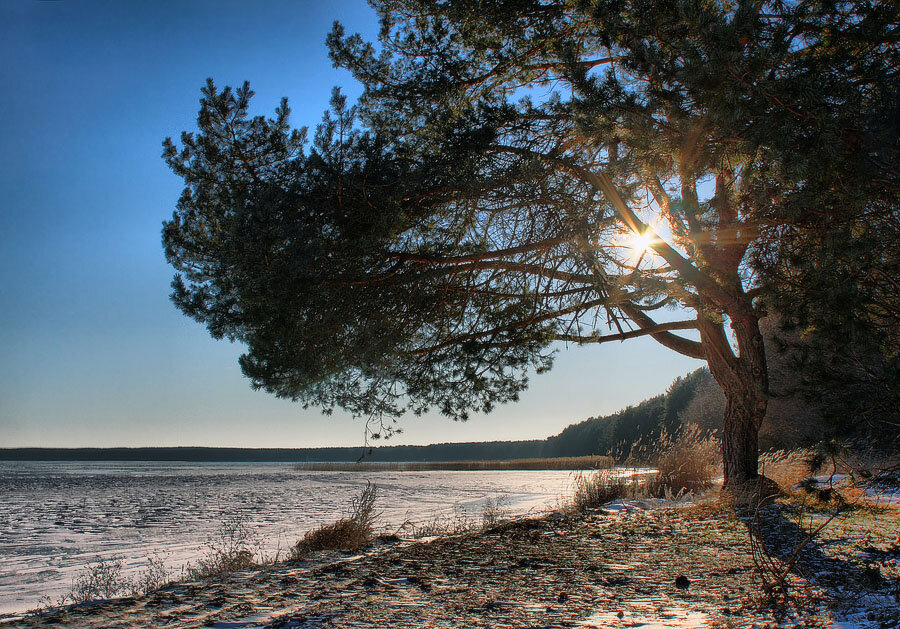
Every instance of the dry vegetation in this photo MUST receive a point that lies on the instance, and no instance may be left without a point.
(349, 533)
(557, 463)
(236, 547)
(494, 511)
(785, 467)
(103, 579)
(686, 461)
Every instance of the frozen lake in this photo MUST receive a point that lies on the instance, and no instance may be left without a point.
(55, 517)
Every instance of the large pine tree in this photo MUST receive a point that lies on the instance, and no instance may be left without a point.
(521, 172)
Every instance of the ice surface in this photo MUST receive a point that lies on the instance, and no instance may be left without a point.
(56, 517)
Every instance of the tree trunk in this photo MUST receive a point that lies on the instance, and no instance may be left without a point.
(744, 381)
(740, 438)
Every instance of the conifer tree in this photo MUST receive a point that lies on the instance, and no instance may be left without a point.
(524, 172)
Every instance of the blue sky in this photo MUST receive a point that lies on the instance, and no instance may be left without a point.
(92, 353)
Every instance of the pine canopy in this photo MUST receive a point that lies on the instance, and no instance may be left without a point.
(522, 172)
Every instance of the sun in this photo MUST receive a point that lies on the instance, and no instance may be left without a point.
(639, 243)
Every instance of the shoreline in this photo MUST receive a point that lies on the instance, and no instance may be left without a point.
(623, 565)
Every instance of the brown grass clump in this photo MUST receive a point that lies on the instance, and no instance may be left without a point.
(786, 467)
(603, 486)
(345, 534)
(688, 461)
(349, 533)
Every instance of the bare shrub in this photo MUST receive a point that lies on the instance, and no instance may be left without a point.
(362, 508)
(236, 547)
(688, 461)
(154, 576)
(349, 533)
(99, 580)
(493, 511)
(103, 579)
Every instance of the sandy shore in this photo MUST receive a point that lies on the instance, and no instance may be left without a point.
(664, 567)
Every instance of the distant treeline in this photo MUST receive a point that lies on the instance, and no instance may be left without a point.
(593, 436)
(437, 452)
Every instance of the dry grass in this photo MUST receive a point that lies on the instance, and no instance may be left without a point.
(349, 533)
(494, 511)
(786, 467)
(553, 463)
(345, 534)
(236, 547)
(687, 460)
(456, 522)
(603, 486)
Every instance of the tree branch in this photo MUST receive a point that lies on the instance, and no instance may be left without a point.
(674, 342)
(623, 336)
(542, 245)
(456, 340)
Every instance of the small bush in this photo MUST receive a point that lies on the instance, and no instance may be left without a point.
(493, 511)
(349, 533)
(236, 547)
(151, 578)
(99, 580)
(104, 580)
(345, 534)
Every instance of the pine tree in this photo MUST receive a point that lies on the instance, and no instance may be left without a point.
(522, 172)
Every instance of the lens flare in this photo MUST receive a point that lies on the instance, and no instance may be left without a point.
(638, 244)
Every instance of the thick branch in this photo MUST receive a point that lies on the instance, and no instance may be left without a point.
(688, 271)
(656, 329)
(674, 342)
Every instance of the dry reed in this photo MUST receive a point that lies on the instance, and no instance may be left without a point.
(552, 463)
(788, 468)
(349, 533)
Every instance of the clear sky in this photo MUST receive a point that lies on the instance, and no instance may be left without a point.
(92, 353)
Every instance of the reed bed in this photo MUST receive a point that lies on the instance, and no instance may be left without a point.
(786, 467)
(556, 463)
(682, 462)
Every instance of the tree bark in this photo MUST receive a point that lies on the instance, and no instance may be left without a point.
(744, 381)
(740, 438)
